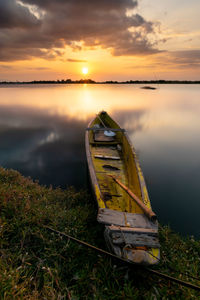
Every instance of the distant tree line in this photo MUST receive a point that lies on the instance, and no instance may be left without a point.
(90, 81)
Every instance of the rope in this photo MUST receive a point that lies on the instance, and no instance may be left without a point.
(174, 270)
(151, 271)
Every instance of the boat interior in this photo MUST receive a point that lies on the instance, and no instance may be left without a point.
(112, 155)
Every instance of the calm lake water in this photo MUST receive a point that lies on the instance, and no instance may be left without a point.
(42, 136)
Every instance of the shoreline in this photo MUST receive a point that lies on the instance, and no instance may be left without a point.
(37, 264)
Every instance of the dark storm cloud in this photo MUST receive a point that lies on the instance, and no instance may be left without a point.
(34, 28)
(13, 15)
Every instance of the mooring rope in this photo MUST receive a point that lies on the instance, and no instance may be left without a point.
(157, 273)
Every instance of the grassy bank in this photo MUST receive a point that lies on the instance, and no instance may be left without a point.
(38, 264)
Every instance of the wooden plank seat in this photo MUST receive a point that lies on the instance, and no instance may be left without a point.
(133, 238)
(99, 136)
(125, 219)
(128, 228)
(100, 143)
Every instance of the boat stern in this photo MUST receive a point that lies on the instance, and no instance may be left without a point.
(138, 247)
(142, 256)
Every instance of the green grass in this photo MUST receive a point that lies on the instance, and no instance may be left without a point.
(39, 264)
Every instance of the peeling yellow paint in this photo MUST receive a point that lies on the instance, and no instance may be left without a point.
(146, 197)
(127, 169)
(154, 254)
(98, 196)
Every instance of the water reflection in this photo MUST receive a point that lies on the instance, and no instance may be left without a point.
(42, 136)
(46, 147)
(131, 120)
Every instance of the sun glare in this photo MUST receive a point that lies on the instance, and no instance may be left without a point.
(84, 70)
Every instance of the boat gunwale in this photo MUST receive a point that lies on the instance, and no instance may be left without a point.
(91, 168)
(139, 170)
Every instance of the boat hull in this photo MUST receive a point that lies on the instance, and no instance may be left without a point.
(129, 231)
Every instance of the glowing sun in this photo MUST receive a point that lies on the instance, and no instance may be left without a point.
(84, 70)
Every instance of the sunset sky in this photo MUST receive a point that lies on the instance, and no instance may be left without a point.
(113, 39)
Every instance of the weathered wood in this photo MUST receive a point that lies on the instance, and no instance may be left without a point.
(148, 212)
(122, 216)
(106, 129)
(100, 143)
(124, 219)
(111, 168)
(99, 136)
(133, 229)
(107, 157)
(93, 178)
(135, 239)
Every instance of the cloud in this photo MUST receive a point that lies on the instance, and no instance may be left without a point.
(184, 59)
(187, 55)
(38, 68)
(14, 15)
(38, 28)
(76, 60)
(6, 67)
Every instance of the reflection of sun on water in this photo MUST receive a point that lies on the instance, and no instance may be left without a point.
(85, 101)
(155, 110)
(79, 101)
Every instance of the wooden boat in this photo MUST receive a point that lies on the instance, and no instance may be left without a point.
(131, 228)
